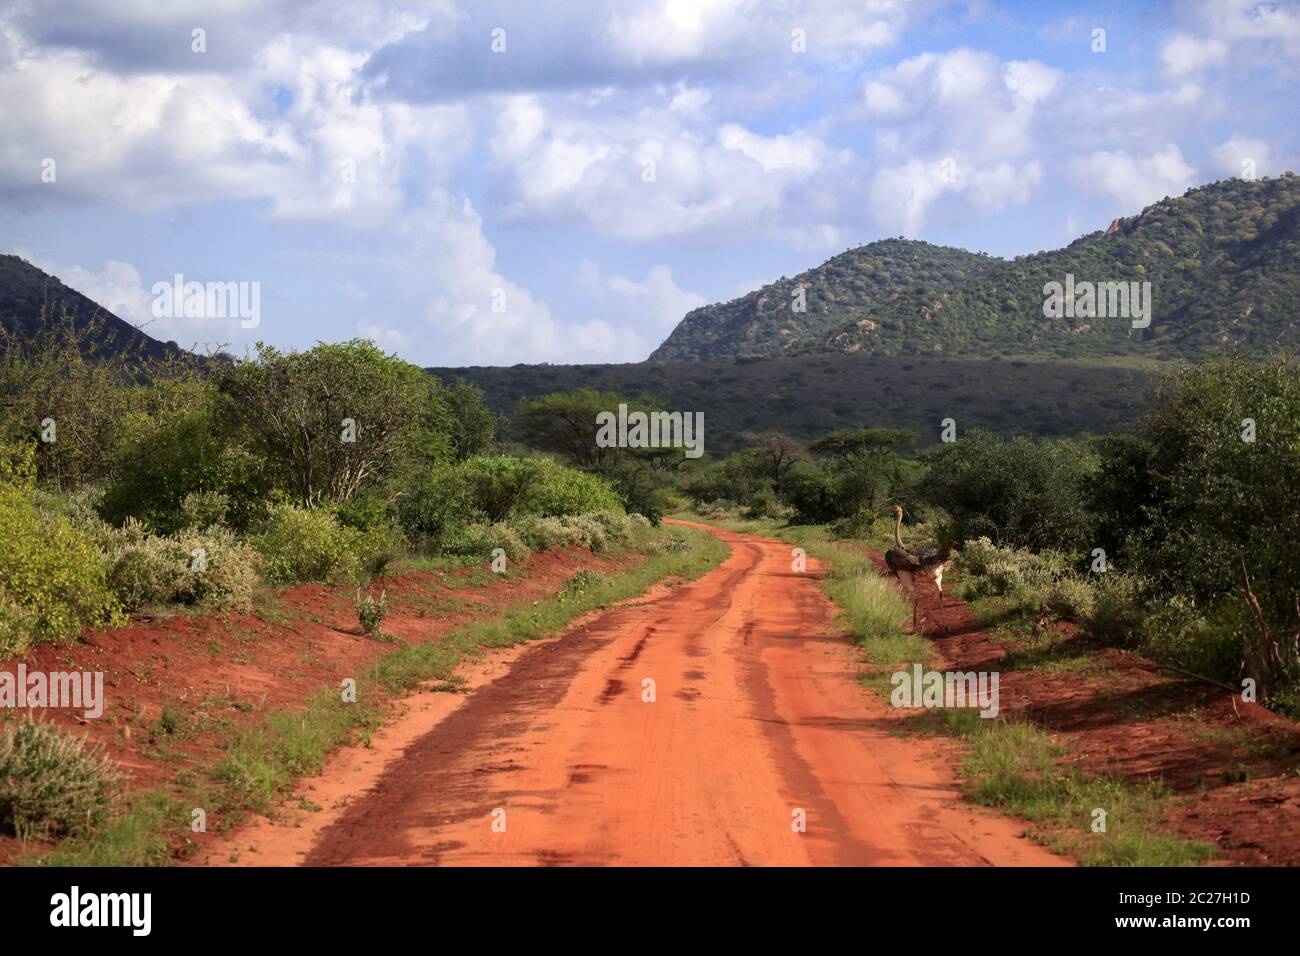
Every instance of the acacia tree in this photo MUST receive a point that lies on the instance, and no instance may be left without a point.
(866, 465)
(335, 418)
(778, 453)
(565, 423)
(470, 425)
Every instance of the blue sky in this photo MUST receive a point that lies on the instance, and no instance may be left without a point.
(568, 196)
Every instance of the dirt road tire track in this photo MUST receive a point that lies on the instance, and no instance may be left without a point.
(757, 714)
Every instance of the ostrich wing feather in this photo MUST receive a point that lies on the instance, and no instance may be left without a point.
(900, 560)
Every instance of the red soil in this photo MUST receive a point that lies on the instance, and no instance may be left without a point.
(757, 713)
(233, 667)
(1234, 767)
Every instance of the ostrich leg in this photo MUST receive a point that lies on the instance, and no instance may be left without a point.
(908, 586)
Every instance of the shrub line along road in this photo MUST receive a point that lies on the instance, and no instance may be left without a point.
(758, 714)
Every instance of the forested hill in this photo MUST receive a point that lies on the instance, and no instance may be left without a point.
(33, 302)
(771, 321)
(1223, 262)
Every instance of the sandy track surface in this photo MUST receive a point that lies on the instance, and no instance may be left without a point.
(558, 757)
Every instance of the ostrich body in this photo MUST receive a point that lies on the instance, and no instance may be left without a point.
(907, 565)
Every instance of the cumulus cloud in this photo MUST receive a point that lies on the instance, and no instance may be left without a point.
(652, 305)
(626, 43)
(139, 36)
(965, 100)
(650, 175)
(1182, 54)
(1245, 155)
(1135, 181)
(477, 315)
(1264, 34)
(960, 125)
(661, 127)
(160, 139)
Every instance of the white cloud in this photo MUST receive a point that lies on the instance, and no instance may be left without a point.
(477, 315)
(654, 304)
(649, 175)
(1182, 54)
(799, 152)
(681, 31)
(1264, 32)
(962, 125)
(1240, 154)
(158, 139)
(966, 101)
(1135, 181)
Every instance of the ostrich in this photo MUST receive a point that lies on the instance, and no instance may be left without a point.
(906, 566)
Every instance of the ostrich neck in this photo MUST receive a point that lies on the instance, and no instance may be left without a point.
(898, 527)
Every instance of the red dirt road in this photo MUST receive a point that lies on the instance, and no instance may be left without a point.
(757, 715)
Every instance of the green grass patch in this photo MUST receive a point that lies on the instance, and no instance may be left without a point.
(1013, 766)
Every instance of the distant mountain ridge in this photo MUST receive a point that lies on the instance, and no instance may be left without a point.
(33, 301)
(772, 320)
(1223, 261)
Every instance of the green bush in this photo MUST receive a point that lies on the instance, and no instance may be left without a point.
(497, 484)
(212, 569)
(220, 571)
(541, 534)
(308, 544)
(977, 556)
(560, 490)
(1071, 598)
(437, 501)
(147, 573)
(176, 469)
(473, 539)
(51, 783)
(1216, 500)
(363, 514)
(764, 504)
(1015, 572)
(1117, 615)
(17, 624)
(617, 526)
(510, 540)
(860, 524)
(288, 407)
(54, 578)
(1018, 492)
(587, 532)
(814, 494)
(1213, 645)
(203, 509)
(377, 547)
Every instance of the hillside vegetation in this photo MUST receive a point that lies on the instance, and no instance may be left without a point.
(771, 321)
(1223, 262)
(810, 394)
(33, 303)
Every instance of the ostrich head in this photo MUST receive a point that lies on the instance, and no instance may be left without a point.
(897, 510)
